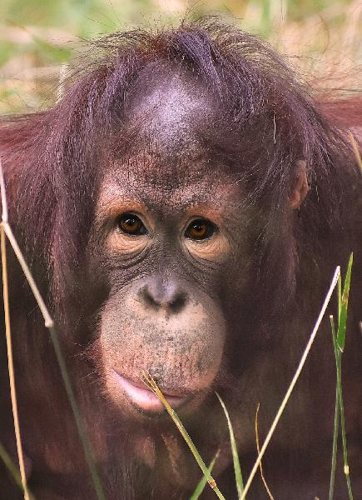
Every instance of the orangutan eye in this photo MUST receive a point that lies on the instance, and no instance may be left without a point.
(130, 224)
(200, 229)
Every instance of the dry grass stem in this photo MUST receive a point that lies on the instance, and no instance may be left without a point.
(151, 384)
(293, 382)
(49, 323)
(258, 449)
(44, 310)
(13, 395)
(234, 450)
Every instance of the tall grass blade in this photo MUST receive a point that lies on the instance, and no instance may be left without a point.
(339, 340)
(151, 384)
(11, 371)
(50, 325)
(336, 422)
(78, 420)
(293, 382)
(13, 470)
(346, 468)
(258, 450)
(234, 449)
(201, 486)
(343, 299)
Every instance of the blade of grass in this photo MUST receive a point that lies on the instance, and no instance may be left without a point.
(234, 449)
(343, 299)
(335, 425)
(293, 382)
(346, 468)
(151, 384)
(13, 470)
(201, 486)
(11, 371)
(54, 337)
(339, 293)
(258, 450)
(339, 340)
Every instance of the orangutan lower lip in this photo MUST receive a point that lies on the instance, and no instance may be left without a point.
(144, 398)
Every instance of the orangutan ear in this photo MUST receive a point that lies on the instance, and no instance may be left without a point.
(300, 187)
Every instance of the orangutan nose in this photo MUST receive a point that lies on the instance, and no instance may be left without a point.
(163, 295)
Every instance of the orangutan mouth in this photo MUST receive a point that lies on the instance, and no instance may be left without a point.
(144, 398)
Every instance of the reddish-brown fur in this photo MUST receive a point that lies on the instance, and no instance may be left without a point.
(246, 151)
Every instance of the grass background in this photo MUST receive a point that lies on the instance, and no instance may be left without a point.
(321, 37)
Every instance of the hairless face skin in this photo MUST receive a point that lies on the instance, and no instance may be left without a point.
(172, 235)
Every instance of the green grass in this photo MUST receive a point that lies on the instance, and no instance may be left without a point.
(37, 37)
(339, 340)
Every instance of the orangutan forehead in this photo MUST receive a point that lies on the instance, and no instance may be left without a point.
(172, 113)
(168, 157)
(150, 180)
(189, 165)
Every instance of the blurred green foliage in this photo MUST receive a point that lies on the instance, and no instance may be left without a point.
(36, 36)
(89, 17)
